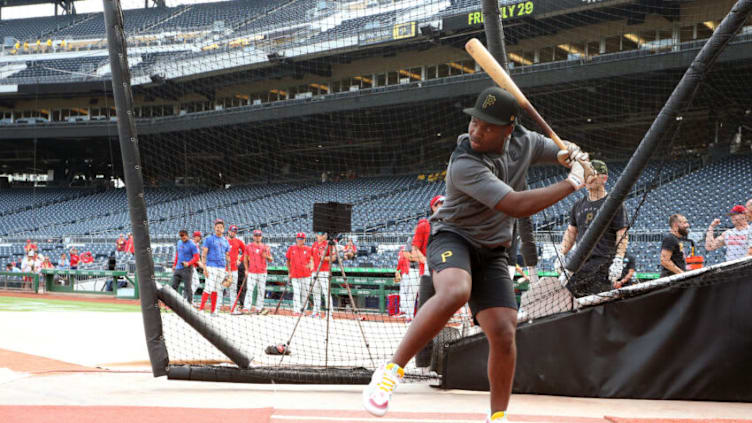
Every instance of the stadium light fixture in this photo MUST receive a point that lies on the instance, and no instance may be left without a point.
(635, 39)
(412, 75)
(710, 25)
(570, 49)
(519, 59)
(460, 67)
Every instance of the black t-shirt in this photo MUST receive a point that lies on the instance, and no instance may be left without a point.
(676, 245)
(583, 213)
(629, 263)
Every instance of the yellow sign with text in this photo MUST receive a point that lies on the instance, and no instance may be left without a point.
(403, 30)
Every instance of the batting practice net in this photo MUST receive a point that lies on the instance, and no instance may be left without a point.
(253, 112)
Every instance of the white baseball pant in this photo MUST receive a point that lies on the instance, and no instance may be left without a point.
(299, 293)
(258, 281)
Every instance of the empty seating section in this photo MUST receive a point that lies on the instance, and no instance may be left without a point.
(32, 29)
(80, 67)
(203, 16)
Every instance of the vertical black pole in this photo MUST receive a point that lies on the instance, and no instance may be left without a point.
(134, 184)
(679, 99)
(494, 32)
(494, 29)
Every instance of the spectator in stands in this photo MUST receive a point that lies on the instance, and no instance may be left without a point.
(28, 265)
(186, 255)
(30, 246)
(604, 267)
(215, 259)
(628, 273)
(470, 235)
(323, 255)
(14, 268)
(299, 268)
(256, 257)
(74, 258)
(672, 246)
(351, 250)
(237, 246)
(63, 262)
(737, 239)
(120, 243)
(197, 267)
(47, 264)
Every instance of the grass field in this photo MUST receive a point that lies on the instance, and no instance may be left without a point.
(49, 304)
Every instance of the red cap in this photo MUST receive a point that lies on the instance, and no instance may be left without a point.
(28, 240)
(738, 209)
(233, 228)
(300, 235)
(437, 199)
(219, 221)
(257, 232)
(197, 233)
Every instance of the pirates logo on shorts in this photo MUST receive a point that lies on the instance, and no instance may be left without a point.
(445, 255)
(489, 101)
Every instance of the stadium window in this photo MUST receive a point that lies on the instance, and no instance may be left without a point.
(592, 48)
(687, 33)
(56, 115)
(546, 54)
(336, 86)
(613, 44)
(168, 109)
(431, 72)
(705, 30)
(392, 78)
(157, 111)
(380, 80)
(443, 70)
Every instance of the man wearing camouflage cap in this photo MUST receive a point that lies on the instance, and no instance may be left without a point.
(604, 267)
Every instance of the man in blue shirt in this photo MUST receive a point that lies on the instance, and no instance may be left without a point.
(186, 255)
(215, 256)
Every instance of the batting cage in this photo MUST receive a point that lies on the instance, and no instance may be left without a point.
(278, 160)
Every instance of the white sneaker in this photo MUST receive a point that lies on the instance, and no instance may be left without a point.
(377, 394)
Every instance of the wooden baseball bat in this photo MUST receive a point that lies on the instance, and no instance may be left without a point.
(478, 51)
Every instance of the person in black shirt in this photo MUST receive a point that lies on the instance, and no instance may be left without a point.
(672, 247)
(605, 265)
(628, 273)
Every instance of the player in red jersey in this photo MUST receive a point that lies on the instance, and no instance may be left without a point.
(256, 256)
(299, 267)
(237, 247)
(321, 248)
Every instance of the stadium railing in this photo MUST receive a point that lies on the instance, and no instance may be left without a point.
(91, 282)
(19, 281)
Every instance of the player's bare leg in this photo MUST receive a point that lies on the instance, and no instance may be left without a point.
(500, 324)
(453, 287)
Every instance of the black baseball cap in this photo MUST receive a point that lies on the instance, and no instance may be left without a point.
(495, 105)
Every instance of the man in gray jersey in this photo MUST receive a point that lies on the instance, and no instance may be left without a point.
(470, 235)
(737, 239)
